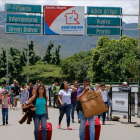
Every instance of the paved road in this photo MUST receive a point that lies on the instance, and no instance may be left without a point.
(111, 131)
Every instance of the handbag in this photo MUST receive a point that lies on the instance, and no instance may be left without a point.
(92, 103)
(109, 101)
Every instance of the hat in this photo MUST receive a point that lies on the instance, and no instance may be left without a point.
(16, 82)
(5, 92)
(124, 83)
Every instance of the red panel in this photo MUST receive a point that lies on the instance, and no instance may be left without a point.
(52, 12)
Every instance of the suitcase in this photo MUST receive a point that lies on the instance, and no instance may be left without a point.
(97, 129)
(49, 131)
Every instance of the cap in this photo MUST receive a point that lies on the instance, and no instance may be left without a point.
(5, 92)
(124, 83)
(14, 80)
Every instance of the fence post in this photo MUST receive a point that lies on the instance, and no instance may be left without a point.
(49, 96)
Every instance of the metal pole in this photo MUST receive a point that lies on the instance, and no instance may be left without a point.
(28, 61)
(139, 25)
(7, 67)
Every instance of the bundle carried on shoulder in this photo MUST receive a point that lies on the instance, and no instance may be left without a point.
(92, 103)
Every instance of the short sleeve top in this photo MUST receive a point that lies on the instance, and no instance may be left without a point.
(66, 96)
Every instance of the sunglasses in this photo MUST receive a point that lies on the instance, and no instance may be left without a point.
(41, 89)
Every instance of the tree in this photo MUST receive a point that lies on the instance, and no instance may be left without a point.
(112, 59)
(47, 56)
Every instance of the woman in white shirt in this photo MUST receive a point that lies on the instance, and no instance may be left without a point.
(104, 91)
(64, 97)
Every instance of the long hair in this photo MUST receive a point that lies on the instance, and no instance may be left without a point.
(23, 85)
(37, 91)
(61, 86)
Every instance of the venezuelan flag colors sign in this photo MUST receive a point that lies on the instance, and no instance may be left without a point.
(64, 20)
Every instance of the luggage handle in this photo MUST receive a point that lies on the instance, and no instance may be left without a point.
(91, 98)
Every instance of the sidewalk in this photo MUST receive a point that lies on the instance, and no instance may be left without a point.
(112, 131)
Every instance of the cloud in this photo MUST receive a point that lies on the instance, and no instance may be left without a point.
(128, 6)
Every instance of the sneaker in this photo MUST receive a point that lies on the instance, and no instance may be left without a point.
(73, 121)
(6, 122)
(69, 128)
(79, 121)
(13, 107)
(3, 123)
(58, 126)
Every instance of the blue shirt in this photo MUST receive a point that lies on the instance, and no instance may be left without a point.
(80, 90)
(40, 106)
(8, 88)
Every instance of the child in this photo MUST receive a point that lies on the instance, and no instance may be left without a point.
(104, 91)
(5, 106)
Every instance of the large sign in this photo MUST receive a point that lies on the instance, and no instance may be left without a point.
(120, 103)
(103, 31)
(104, 10)
(67, 20)
(23, 29)
(20, 18)
(106, 21)
(23, 8)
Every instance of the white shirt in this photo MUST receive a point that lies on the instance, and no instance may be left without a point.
(66, 96)
(104, 95)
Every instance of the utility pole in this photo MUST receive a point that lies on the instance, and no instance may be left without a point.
(139, 25)
(28, 61)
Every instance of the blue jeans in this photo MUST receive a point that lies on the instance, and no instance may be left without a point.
(78, 115)
(5, 114)
(72, 110)
(83, 125)
(37, 119)
(65, 109)
(12, 100)
(103, 114)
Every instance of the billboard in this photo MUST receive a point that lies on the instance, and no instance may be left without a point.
(64, 20)
(120, 103)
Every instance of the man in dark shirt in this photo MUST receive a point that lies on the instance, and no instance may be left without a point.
(16, 91)
(83, 119)
(30, 89)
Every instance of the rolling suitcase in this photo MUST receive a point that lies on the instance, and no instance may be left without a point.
(97, 129)
(49, 131)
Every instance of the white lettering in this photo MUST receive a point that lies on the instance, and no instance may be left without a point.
(103, 32)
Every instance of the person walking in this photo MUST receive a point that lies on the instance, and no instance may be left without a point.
(8, 87)
(73, 102)
(41, 111)
(83, 119)
(64, 97)
(16, 91)
(5, 107)
(24, 96)
(30, 89)
(104, 91)
(11, 92)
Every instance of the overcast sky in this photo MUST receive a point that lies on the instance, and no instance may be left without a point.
(128, 6)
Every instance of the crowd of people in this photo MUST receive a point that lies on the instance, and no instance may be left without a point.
(68, 97)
